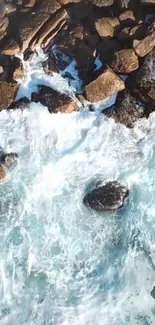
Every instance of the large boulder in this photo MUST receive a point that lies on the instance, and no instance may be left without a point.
(125, 61)
(106, 84)
(110, 196)
(55, 101)
(8, 91)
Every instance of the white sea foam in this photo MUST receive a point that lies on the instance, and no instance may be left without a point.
(59, 262)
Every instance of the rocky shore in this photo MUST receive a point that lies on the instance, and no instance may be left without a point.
(120, 34)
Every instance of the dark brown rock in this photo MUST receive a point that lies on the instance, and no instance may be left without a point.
(85, 61)
(125, 61)
(145, 76)
(21, 104)
(18, 69)
(129, 4)
(147, 2)
(8, 91)
(50, 65)
(126, 110)
(55, 101)
(107, 48)
(130, 33)
(80, 10)
(106, 84)
(111, 196)
(143, 47)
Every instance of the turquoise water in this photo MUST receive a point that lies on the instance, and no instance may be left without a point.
(59, 262)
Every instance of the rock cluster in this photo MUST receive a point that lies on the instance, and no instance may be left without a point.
(121, 33)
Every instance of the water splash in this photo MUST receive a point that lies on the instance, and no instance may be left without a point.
(59, 262)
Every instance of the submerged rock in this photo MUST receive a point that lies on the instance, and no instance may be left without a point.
(110, 196)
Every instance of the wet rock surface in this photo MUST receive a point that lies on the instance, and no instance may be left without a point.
(54, 101)
(111, 196)
(127, 110)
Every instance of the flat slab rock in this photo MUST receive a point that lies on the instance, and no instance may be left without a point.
(111, 196)
(30, 26)
(104, 86)
(54, 101)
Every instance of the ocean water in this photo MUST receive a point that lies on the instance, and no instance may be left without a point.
(61, 263)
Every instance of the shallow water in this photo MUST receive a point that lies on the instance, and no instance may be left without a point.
(59, 262)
